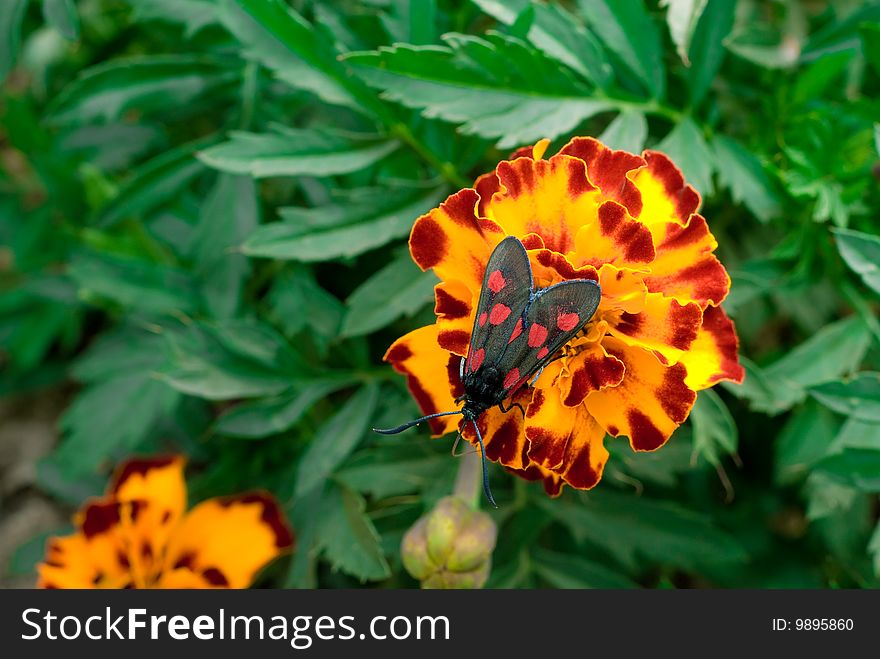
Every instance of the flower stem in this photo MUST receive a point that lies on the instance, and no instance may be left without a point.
(468, 480)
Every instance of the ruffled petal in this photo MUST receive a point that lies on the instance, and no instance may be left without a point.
(685, 268)
(589, 370)
(713, 356)
(607, 169)
(665, 196)
(615, 238)
(623, 290)
(502, 432)
(552, 198)
(227, 541)
(664, 326)
(453, 305)
(427, 368)
(650, 402)
(453, 241)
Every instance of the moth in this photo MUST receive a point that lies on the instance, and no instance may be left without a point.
(517, 331)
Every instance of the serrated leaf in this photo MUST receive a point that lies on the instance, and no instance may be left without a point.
(715, 432)
(742, 172)
(11, 17)
(229, 214)
(857, 398)
(804, 440)
(496, 87)
(861, 252)
(689, 151)
(858, 468)
(336, 439)
(61, 14)
(146, 84)
(628, 131)
(348, 538)
(398, 289)
(392, 471)
(294, 152)
(359, 229)
(194, 15)
(681, 18)
(706, 51)
(627, 30)
(567, 571)
(272, 415)
(558, 34)
(298, 301)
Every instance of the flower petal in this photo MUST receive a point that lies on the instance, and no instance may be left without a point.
(713, 357)
(615, 238)
(622, 289)
(607, 169)
(685, 267)
(503, 432)
(429, 378)
(552, 198)
(549, 267)
(158, 480)
(664, 326)
(650, 402)
(453, 305)
(227, 541)
(453, 241)
(665, 196)
(589, 370)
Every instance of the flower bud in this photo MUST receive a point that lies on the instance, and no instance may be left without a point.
(451, 546)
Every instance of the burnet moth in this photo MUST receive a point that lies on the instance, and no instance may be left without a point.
(517, 331)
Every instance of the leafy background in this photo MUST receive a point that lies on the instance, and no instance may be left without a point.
(203, 220)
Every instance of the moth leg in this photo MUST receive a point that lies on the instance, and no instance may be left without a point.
(512, 405)
(537, 375)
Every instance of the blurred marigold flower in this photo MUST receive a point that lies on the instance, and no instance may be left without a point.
(139, 535)
(629, 222)
(451, 546)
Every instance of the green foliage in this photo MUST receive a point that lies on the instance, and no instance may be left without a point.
(202, 237)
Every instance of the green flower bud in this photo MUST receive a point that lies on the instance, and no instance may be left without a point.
(451, 546)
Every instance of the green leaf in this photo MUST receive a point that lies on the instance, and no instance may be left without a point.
(299, 302)
(870, 34)
(495, 87)
(336, 439)
(147, 84)
(627, 30)
(194, 15)
(141, 285)
(706, 51)
(11, 17)
(273, 415)
(294, 152)
(154, 183)
(387, 471)
(874, 549)
(298, 52)
(567, 571)
(827, 496)
(61, 14)
(229, 214)
(861, 252)
(858, 397)
(742, 172)
(854, 467)
(342, 231)
(558, 34)
(348, 538)
(681, 18)
(27, 555)
(856, 433)
(398, 289)
(833, 351)
(687, 148)
(804, 440)
(637, 527)
(628, 131)
(715, 432)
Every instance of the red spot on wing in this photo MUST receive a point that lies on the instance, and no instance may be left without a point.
(496, 281)
(537, 335)
(511, 378)
(517, 330)
(483, 317)
(477, 359)
(543, 352)
(567, 321)
(499, 314)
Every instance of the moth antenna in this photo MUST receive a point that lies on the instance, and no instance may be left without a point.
(486, 487)
(401, 428)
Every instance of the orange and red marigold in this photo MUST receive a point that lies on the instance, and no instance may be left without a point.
(139, 535)
(659, 335)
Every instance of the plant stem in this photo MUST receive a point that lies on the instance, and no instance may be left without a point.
(468, 480)
(446, 169)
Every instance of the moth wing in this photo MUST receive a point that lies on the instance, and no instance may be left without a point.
(506, 290)
(554, 316)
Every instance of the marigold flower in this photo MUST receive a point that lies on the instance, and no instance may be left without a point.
(629, 222)
(139, 535)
